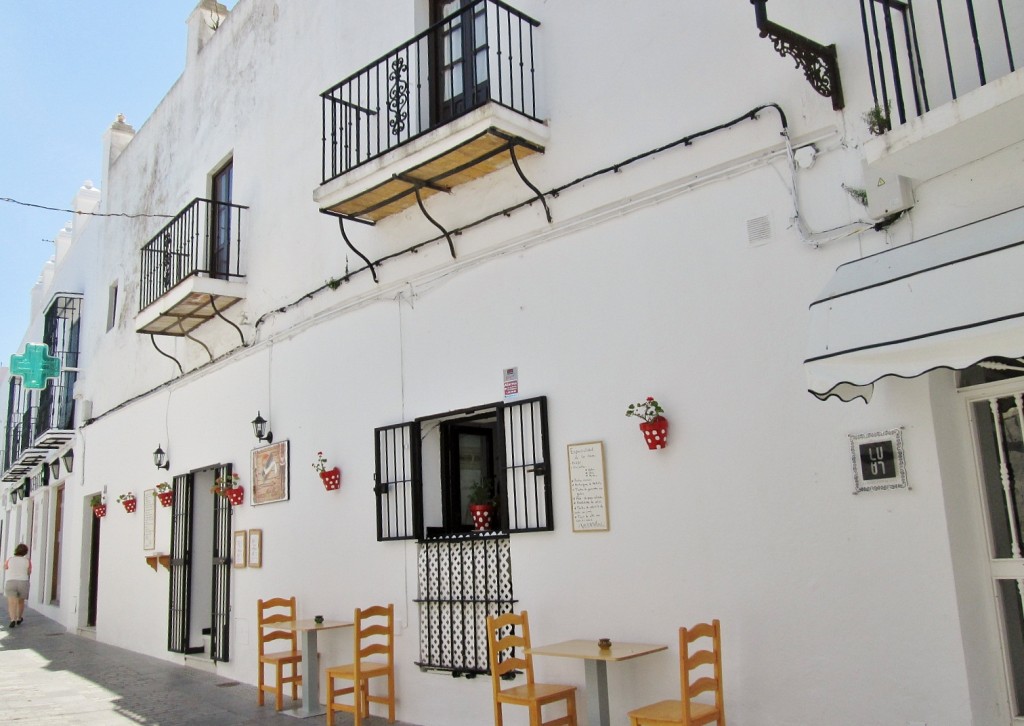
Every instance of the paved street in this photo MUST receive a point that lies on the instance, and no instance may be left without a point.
(48, 676)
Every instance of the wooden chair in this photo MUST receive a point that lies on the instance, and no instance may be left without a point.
(688, 712)
(268, 612)
(374, 634)
(532, 695)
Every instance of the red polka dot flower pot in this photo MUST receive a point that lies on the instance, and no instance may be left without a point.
(165, 493)
(331, 479)
(654, 426)
(129, 502)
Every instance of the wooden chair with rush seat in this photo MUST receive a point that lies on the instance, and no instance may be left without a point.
(501, 636)
(269, 612)
(687, 712)
(374, 635)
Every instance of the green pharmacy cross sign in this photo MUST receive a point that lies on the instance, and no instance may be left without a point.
(35, 366)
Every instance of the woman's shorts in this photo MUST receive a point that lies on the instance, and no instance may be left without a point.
(16, 588)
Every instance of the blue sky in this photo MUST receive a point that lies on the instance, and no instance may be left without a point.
(67, 68)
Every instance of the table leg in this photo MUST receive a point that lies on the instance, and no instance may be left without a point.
(596, 675)
(310, 669)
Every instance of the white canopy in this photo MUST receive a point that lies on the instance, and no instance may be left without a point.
(945, 301)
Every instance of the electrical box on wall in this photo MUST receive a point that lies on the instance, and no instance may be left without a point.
(887, 193)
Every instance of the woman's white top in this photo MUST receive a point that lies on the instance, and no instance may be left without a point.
(18, 568)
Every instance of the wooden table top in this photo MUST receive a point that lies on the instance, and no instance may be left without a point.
(302, 625)
(589, 650)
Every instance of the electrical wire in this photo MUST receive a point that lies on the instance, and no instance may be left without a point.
(84, 214)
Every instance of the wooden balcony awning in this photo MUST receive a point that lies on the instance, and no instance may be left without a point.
(188, 305)
(471, 159)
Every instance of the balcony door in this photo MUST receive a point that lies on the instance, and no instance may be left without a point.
(220, 223)
(460, 72)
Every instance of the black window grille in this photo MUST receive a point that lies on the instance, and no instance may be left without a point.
(398, 488)
(61, 333)
(522, 473)
(463, 579)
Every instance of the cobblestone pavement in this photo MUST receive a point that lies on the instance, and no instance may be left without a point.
(49, 676)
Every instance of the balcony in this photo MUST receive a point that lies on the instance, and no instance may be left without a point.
(190, 269)
(945, 75)
(42, 421)
(453, 104)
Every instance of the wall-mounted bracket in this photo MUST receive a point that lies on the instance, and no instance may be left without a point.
(219, 314)
(528, 183)
(181, 371)
(364, 258)
(819, 63)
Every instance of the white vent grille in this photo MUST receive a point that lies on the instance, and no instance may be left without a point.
(759, 230)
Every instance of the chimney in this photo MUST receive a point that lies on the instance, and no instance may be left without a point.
(202, 24)
(86, 200)
(114, 141)
(63, 241)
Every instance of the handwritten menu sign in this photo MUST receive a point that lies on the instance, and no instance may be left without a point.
(149, 519)
(587, 490)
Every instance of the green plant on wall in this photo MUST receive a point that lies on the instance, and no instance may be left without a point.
(878, 120)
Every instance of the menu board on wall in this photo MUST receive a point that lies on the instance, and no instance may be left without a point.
(149, 519)
(587, 489)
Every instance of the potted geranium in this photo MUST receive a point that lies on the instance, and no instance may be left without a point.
(227, 486)
(330, 477)
(128, 501)
(482, 504)
(98, 507)
(654, 425)
(165, 493)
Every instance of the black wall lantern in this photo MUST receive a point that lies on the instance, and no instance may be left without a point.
(55, 469)
(160, 458)
(261, 428)
(68, 460)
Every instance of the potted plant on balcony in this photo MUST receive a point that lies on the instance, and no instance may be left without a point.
(482, 504)
(228, 487)
(330, 477)
(128, 501)
(165, 493)
(654, 425)
(98, 507)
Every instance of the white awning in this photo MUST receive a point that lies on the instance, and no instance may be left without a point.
(945, 301)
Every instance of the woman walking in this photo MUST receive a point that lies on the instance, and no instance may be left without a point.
(18, 567)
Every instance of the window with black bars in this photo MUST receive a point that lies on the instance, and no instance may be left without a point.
(463, 579)
(522, 478)
(61, 332)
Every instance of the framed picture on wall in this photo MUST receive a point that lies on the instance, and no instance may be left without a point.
(270, 473)
(255, 548)
(241, 547)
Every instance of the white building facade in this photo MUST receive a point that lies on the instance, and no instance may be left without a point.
(447, 243)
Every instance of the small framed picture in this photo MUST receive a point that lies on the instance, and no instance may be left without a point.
(255, 548)
(241, 547)
(270, 473)
(878, 463)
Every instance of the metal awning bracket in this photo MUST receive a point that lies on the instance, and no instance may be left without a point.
(196, 340)
(364, 258)
(528, 183)
(181, 370)
(213, 304)
(447, 235)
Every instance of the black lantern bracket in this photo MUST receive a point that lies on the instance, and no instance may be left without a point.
(261, 427)
(160, 458)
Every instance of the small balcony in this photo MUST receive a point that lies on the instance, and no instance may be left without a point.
(945, 76)
(447, 107)
(190, 269)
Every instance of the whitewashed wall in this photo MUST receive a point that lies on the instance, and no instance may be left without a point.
(835, 609)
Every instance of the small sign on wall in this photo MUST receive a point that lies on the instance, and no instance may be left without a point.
(878, 463)
(588, 492)
(510, 378)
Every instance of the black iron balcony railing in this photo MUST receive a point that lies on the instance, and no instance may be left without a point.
(483, 53)
(923, 54)
(205, 238)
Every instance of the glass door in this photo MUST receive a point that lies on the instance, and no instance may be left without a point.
(999, 423)
(460, 72)
(220, 224)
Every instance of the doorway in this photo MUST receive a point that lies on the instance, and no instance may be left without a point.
(94, 568)
(459, 57)
(200, 591)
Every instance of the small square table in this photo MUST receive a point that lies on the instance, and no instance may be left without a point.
(308, 630)
(596, 668)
